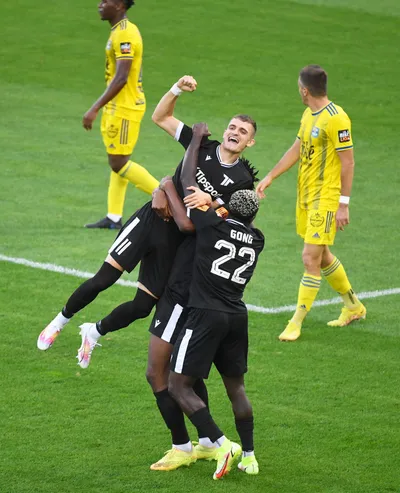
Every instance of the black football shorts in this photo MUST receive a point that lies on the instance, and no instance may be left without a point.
(208, 337)
(147, 239)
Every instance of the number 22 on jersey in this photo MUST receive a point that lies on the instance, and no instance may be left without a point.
(243, 252)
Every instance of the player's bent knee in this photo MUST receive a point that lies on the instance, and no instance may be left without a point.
(105, 277)
(236, 392)
(311, 261)
(117, 162)
(114, 263)
(156, 378)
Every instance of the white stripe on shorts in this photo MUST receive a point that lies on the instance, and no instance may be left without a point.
(124, 234)
(180, 359)
(171, 325)
(119, 247)
(121, 250)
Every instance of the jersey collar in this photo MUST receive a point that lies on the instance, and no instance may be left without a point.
(225, 165)
(322, 109)
(118, 23)
(234, 221)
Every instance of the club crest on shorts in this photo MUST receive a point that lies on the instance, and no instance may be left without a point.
(317, 220)
(315, 132)
(112, 131)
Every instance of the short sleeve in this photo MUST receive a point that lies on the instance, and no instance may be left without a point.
(339, 131)
(183, 135)
(204, 217)
(124, 45)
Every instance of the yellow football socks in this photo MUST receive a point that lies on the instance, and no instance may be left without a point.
(116, 194)
(308, 290)
(337, 278)
(139, 176)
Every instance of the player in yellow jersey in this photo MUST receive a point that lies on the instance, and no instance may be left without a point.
(324, 148)
(123, 104)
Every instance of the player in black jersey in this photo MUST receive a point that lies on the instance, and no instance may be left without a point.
(216, 329)
(229, 172)
(226, 256)
(148, 239)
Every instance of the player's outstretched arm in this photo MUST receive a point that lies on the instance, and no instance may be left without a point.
(189, 166)
(115, 86)
(288, 160)
(163, 115)
(347, 161)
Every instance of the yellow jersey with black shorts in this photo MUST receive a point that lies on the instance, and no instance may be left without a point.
(121, 119)
(323, 135)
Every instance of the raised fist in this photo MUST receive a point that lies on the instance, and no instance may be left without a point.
(187, 83)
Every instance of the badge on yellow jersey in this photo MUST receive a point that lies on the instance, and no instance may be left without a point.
(125, 48)
(344, 135)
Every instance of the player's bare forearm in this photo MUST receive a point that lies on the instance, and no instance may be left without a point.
(115, 86)
(347, 171)
(118, 82)
(189, 166)
(177, 208)
(163, 115)
(288, 160)
(109, 94)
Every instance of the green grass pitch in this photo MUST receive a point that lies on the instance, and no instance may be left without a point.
(326, 407)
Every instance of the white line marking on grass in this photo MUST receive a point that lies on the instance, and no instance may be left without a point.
(253, 308)
(60, 269)
(333, 301)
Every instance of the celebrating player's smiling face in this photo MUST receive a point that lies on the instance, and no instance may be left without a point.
(238, 136)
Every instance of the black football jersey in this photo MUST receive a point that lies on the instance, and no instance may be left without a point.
(226, 256)
(213, 176)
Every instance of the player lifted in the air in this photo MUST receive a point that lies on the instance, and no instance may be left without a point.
(324, 147)
(148, 239)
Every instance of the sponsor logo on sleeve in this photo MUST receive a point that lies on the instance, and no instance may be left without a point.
(222, 212)
(344, 136)
(125, 48)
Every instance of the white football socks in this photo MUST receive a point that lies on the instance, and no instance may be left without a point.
(247, 454)
(114, 217)
(186, 447)
(59, 322)
(206, 442)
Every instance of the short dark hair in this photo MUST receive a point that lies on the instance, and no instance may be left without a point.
(128, 3)
(244, 205)
(247, 119)
(315, 79)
